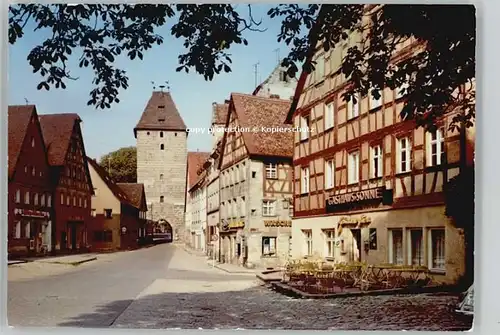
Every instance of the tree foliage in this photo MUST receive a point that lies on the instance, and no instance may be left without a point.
(121, 165)
(443, 66)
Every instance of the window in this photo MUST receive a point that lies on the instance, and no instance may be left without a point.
(372, 239)
(79, 202)
(85, 203)
(309, 242)
(67, 200)
(416, 251)
(27, 229)
(33, 171)
(103, 236)
(93, 212)
(401, 91)
(404, 155)
(283, 76)
(74, 201)
(162, 198)
(268, 208)
(49, 201)
(62, 199)
(435, 148)
(42, 200)
(17, 229)
(108, 213)
(375, 103)
(25, 169)
(162, 147)
(329, 116)
(353, 107)
(254, 174)
(271, 171)
(329, 174)
(27, 198)
(377, 161)
(161, 176)
(353, 165)
(304, 127)
(35, 199)
(396, 246)
(32, 142)
(18, 196)
(268, 246)
(329, 242)
(161, 134)
(437, 249)
(243, 208)
(304, 186)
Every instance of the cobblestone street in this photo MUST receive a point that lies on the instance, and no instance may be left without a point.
(170, 288)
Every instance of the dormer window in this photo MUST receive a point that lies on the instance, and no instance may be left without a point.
(161, 120)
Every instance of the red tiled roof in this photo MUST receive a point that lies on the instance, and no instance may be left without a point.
(219, 113)
(195, 160)
(256, 112)
(18, 120)
(160, 107)
(120, 194)
(135, 193)
(57, 130)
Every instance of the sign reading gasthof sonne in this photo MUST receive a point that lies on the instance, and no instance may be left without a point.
(352, 197)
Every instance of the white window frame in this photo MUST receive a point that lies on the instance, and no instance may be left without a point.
(375, 103)
(308, 242)
(409, 242)
(391, 250)
(17, 232)
(27, 198)
(431, 250)
(377, 161)
(353, 108)
(435, 138)
(304, 180)
(271, 250)
(27, 229)
(35, 199)
(49, 201)
(353, 167)
(243, 207)
(42, 200)
(271, 171)
(305, 121)
(404, 166)
(329, 235)
(268, 207)
(18, 196)
(329, 115)
(329, 174)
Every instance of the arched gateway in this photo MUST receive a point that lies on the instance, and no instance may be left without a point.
(162, 231)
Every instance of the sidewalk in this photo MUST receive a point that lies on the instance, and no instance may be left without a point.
(66, 259)
(232, 268)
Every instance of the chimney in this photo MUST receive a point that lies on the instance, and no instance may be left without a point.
(274, 96)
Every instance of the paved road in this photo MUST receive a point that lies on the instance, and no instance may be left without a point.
(166, 287)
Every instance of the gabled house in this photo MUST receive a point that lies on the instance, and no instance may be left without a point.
(256, 182)
(118, 212)
(277, 85)
(196, 196)
(71, 181)
(30, 210)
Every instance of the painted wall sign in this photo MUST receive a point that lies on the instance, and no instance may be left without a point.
(237, 224)
(340, 201)
(363, 219)
(31, 213)
(277, 223)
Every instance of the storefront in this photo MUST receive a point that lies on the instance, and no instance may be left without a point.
(232, 242)
(32, 232)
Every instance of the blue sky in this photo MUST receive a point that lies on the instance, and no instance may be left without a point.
(110, 129)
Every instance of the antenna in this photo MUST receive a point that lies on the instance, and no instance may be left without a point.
(277, 51)
(154, 86)
(27, 102)
(256, 71)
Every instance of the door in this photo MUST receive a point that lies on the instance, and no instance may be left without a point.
(73, 236)
(356, 234)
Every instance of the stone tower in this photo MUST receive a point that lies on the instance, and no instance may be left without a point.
(161, 161)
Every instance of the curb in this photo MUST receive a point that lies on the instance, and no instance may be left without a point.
(296, 293)
(249, 272)
(17, 262)
(76, 263)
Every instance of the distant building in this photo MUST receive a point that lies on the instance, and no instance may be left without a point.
(118, 212)
(71, 181)
(196, 200)
(30, 205)
(161, 162)
(256, 183)
(277, 85)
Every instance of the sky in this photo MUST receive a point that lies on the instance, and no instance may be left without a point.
(110, 129)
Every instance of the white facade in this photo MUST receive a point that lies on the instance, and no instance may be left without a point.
(277, 84)
(198, 226)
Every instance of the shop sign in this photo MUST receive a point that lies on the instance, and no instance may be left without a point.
(31, 213)
(277, 223)
(237, 224)
(363, 219)
(334, 202)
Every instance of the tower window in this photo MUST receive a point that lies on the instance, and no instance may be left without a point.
(161, 176)
(162, 146)
(175, 134)
(161, 134)
(161, 106)
(147, 133)
(162, 198)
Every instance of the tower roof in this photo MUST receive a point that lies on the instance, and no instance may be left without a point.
(160, 114)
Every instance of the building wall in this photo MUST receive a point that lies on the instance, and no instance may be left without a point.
(278, 84)
(98, 225)
(198, 199)
(163, 173)
(345, 248)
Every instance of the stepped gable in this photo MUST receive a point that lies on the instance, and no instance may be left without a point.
(160, 114)
(18, 120)
(256, 112)
(57, 130)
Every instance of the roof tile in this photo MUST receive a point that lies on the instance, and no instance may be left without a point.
(134, 192)
(18, 121)
(194, 163)
(57, 130)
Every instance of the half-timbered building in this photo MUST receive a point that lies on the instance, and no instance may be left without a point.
(30, 210)
(256, 182)
(369, 186)
(71, 181)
